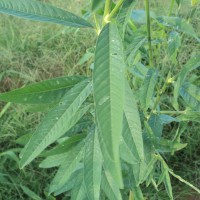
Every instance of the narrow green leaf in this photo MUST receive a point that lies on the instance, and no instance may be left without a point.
(71, 183)
(38, 11)
(67, 168)
(65, 146)
(93, 167)
(191, 95)
(192, 64)
(54, 160)
(168, 185)
(147, 89)
(132, 131)
(30, 193)
(57, 122)
(109, 187)
(44, 92)
(78, 191)
(108, 83)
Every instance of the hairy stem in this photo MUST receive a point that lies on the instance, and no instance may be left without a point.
(149, 33)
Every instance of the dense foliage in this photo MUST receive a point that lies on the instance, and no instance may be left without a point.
(105, 133)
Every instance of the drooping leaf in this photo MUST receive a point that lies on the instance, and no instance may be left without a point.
(93, 167)
(44, 92)
(147, 89)
(108, 83)
(192, 64)
(178, 24)
(168, 185)
(38, 11)
(67, 168)
(57, 122)
(109, 187)
(191, 95)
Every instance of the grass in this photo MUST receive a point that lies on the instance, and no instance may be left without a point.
(31, 52)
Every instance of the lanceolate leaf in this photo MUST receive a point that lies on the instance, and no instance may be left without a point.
(168, 185)
(67, 168)
(44, 92)
(35, 10)
(192, 64)
(65, 146)
(132, 131)
(92, 167)
(110, 188)
(191, 95)
(108, 83)
(54, 160)
(57, 122)
(78, 191)
(147, 90)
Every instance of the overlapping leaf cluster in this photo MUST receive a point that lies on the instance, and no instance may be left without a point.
(103, 144)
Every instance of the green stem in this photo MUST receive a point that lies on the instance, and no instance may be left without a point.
(98, 29)
(171, 7)
(162, 91)
(115, 9)
(106, 12)
(149, 33)
(169, 112)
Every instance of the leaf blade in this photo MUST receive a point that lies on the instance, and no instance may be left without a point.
(62, 118)
(108, 84)
(38, 11)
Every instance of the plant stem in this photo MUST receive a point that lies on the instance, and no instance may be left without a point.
(98, 29)
(171, 7)
(149, 33)
(115, 9)
(169, 112)
(106, 12)
(162, 90)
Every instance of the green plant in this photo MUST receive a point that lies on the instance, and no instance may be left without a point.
(110, 146)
